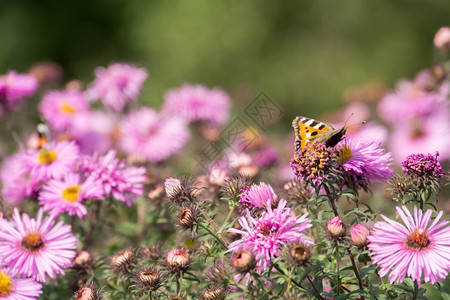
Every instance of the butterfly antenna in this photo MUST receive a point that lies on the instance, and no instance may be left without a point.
(351, 115)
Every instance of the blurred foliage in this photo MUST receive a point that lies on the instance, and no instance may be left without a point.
(304, 54)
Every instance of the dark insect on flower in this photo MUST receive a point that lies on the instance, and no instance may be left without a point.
(124, 261)
(178, 260)
(215, 293)
(233, 186)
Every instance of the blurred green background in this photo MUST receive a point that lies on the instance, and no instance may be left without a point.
(303, 54)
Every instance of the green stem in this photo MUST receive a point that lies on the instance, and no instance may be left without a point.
(331, 200)
(355, 269)
(237, 284)
(314, 288)
(284, 274)
(222, 242)
(337, 269)
(179, 285)
(416, 291)
(216, 227)
(229, 215)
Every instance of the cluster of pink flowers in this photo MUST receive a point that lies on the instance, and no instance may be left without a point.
(13, 88)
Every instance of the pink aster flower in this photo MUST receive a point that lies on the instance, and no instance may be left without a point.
(267, 234)
(52, 160)
(61, 107)
(148, 134)
(414, 249)
(36, 247)
(123, 183)
(421, 136)
(365, 161)
(265, 157)
(60, 195)
(94, 131)
(14, 87)
(17, 183)
(409, 101)
(198, 103)
(370, 132)
(13, 288)
(258, 196)
(117, 85)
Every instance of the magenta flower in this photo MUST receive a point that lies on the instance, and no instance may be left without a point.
(66, 195)
(52, 160)
(266, 235)
(198, 103)
(423, 165)
(365, 161)
(16, 180)
(370, 132)
(258, 196)
(36, 247)
(421, 136)
(94, 131)
(61, 107)
(14, 87)
(149, 135)
(13, 288)
(117, 85)
(414, 249)
(265, 157)
(409, 101)
(118, 181)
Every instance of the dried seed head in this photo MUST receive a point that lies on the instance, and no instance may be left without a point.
(217, 273)
(180, 190)
(124, 261)
(149, 279)
(152, 252)
(232, 187)
(216, 293)
(295, 191)
(243, 261)
(178, 260)
(187, 217)
(299, 253)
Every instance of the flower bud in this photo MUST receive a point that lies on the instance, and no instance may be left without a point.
(83, 260)
(359, 234)
(336, 228)
(156, 193)
(149, 279)
(250, 170)
(152, 252)
(187, 217)
(442, 39)
(123, 261)
(172, 186)
(243, 261)
(217, 273)
(178, 260)
(218, 293)
(88, 292)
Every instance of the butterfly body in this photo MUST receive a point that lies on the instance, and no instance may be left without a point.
(310, 130)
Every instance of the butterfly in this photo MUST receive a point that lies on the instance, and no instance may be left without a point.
(307, 129)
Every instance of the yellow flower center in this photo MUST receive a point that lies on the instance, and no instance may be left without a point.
(70, 194)
(6, 285)
(67, 109)
(345, 154)
(418, 240)
(32, 242)
(46, 157)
